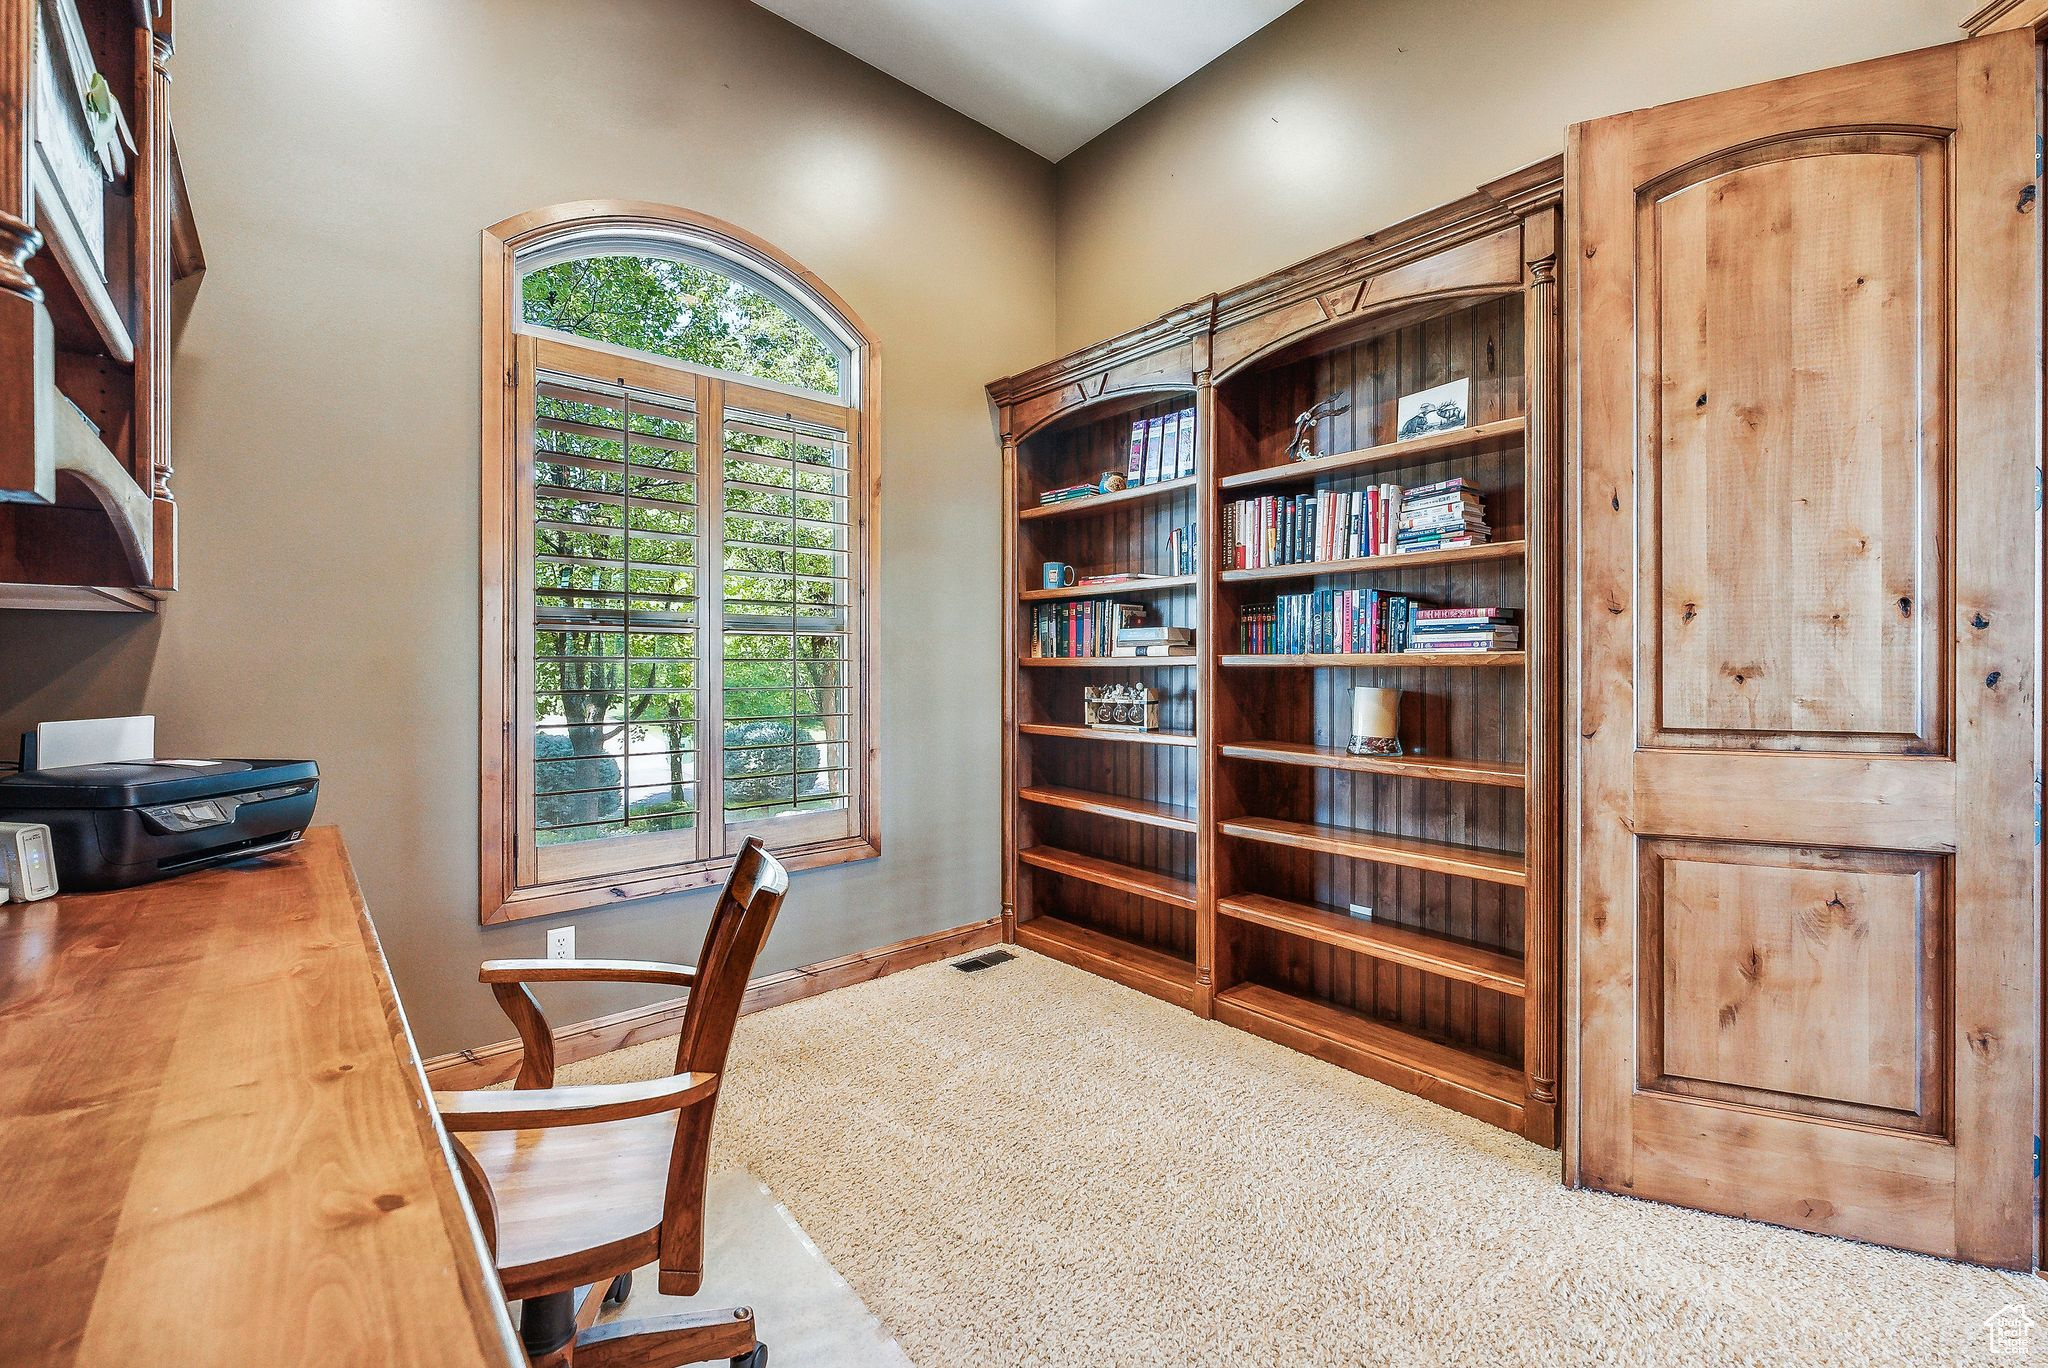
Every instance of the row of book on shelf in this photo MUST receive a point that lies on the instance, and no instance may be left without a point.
(1098, 628)
(1346, 524)
(1371, 622)
(1162, 448)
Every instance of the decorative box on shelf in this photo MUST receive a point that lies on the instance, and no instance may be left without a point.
(1120, 707)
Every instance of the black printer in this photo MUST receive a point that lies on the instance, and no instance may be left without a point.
(128, 822)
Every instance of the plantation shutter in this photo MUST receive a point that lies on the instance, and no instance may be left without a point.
(671, 713)
(614, 683)
(788, 698)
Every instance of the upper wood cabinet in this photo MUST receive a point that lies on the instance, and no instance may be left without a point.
(93, 232)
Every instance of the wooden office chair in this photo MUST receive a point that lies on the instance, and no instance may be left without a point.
(578, 1186)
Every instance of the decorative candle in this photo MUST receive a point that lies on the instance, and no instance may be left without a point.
(1375, 721)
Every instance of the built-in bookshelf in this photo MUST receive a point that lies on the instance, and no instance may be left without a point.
(1103, 825)
(1225, 859)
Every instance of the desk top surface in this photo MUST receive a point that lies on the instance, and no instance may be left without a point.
(216, 1142)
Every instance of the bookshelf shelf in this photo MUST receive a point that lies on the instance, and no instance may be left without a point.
(1097, 503)
(1156, 584)
(1165, 815)
(1405, 1059)
(1420, 450)
(1145, 883)
(1131, 963)
(1444, 956)
(1408, 766)
(1150, 738)
(1211, 862)
(1399, 660)
(1440, 857)
(1106, 662)
(1365, 565)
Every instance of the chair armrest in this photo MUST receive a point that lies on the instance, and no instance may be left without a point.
(541, 1108)
(586, 971)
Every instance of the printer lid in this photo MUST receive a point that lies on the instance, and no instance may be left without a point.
(142, 783)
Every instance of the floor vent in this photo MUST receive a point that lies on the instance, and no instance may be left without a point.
(987, 959)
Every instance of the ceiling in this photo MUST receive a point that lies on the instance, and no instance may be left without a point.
(1049, 74)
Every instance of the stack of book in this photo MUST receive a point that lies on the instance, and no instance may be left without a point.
(1066, 494)
(1140, 641)
(1347, 524)
(1441, 517)
(1465, 629)
(1070, 631)
(1162, 448)
(1328, 622)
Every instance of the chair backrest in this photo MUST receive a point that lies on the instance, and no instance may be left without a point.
(739, 926)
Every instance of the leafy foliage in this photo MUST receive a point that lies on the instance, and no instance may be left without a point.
(672, 308)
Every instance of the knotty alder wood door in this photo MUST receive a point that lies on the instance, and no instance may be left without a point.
(1807, 392)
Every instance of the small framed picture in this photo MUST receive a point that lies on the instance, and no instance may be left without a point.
(1438, 409)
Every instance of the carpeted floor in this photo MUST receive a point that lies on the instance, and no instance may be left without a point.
(1033, 1166)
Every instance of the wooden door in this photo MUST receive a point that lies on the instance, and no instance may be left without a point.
(1806, 393)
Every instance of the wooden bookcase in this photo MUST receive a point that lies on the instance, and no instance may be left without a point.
(1102, 843)
(1211, 864)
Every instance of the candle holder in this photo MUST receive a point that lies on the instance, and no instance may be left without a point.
(1375, 721)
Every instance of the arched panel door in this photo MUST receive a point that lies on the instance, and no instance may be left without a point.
(1808, 394)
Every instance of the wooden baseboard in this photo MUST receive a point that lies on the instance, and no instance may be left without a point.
(499, 1062)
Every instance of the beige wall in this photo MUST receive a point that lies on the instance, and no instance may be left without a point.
(342, 160)
(1344, 116)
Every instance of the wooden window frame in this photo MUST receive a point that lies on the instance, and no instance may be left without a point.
(504, 892)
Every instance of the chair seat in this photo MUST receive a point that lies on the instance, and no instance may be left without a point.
(576, 1204)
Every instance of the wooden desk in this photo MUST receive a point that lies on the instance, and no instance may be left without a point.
(216, 1145)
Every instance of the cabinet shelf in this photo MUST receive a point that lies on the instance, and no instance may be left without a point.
(1440, 446)
(1408, 766)
(1150, 738)
(1362, 565)
(1131, 963)
(1153, 585)
(1480, 1084)
(1440, 857)
(1125, 878)
(1095, 503)
(1444, 956)
(1169, 816)
(1392, 660)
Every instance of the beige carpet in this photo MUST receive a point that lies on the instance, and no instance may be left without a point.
(1033, 1166)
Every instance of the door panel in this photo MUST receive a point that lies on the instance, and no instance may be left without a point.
(1806, 405)
(1793, 589)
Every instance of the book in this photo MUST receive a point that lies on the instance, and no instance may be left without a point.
(1085, 629)
(1153, 635)
(1134, 471)
(1169, 446)
(1423, 615)
(1148, 652)
(1154, 448)
(1120, 577)
(1186, 466)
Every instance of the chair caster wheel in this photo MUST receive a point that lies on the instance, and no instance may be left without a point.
(757, 1359)
(621, 1288)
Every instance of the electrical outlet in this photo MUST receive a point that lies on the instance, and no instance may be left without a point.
(1361, 911)
(562, 943)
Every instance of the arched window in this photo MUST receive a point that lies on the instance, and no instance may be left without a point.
(678, 554)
